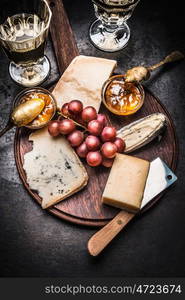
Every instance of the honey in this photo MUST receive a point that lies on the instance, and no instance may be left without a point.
(122, 98)
(47, 112)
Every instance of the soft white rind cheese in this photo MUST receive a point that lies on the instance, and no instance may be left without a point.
(142, 131)
(53, 169)
(83, 80)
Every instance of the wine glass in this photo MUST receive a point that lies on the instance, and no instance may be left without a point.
(110, 31)
(23, 31)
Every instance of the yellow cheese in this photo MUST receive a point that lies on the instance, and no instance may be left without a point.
(126, 182)
(83, 80)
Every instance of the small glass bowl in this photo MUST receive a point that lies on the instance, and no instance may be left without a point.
(19, 99)
(121, 78)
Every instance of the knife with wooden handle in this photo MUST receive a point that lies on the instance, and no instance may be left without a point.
(105, 235)
(160, 177)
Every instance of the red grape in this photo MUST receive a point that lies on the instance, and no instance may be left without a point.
(92, 142)
(66, 126)
(82, 150)
(89, 113)
(53, 128)
(94, 127)
(75, 138)
(120, 144)
(102, 119)
(108, 134)
(107, 162)
(94, 158)
(78, 119)
(109, 149)
(75, 107)
(65, 109)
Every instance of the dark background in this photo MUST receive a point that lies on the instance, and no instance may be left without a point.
(34, 243)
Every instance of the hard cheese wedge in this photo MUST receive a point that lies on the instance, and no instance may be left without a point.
(126, 182)
(83, 80)
(52, 168)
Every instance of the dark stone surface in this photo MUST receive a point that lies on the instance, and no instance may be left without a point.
(36, 244)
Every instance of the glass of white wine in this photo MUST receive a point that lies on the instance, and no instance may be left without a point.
(110, 32)
(23, 33)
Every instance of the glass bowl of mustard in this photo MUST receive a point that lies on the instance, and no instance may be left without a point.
(49, 110)
(122, 98)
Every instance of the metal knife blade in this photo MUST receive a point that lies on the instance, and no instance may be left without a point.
(159, 178)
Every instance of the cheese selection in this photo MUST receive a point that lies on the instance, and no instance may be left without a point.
(126, 183)
(53, 168)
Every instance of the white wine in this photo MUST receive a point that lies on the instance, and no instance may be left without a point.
(21, 38)
(110, 31)
(118, 2)
(114, 12)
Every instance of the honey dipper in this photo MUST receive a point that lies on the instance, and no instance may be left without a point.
(140, 73)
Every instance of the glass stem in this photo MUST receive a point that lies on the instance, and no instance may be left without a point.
(110, 27)
(29, 72)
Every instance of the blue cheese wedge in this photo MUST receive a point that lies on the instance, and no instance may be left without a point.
(52, 168)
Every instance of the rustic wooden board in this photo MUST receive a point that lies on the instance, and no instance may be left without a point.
(85, 207)
(63, 40)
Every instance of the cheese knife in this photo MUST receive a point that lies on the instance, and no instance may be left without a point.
(160, 177)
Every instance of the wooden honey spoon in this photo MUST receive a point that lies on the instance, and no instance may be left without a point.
(140, 73)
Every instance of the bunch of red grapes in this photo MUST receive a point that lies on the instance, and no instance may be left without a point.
(98, 144)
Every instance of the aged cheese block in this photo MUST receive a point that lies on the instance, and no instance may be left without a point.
(53, 169)
(126, 182)
(83, 80)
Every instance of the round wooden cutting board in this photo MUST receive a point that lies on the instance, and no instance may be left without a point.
(85, 207)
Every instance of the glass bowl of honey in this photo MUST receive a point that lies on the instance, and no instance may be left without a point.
(121, 97)
(48, 111)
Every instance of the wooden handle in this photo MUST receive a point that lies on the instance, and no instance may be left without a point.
(62, 35)
(174, 56)
(105, 235)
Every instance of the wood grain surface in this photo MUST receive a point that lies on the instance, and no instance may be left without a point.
(85, 207)
(62, 35)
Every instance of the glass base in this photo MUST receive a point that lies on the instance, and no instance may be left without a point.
(109, 41)
(31, 75)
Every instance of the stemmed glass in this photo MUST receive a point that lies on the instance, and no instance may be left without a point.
(110, 31)
(23, 31)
